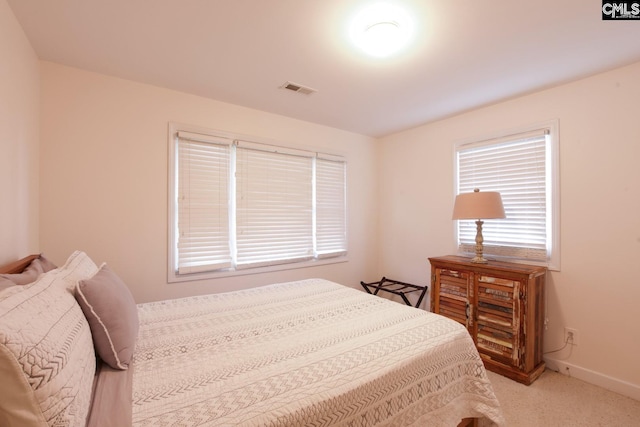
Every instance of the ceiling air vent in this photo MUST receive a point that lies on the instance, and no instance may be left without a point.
(306, 90)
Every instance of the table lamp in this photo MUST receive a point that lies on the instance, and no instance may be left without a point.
(478, 205)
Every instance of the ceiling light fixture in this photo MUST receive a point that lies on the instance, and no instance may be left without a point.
(381, 30)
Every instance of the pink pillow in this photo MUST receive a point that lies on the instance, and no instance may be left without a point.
(112, 314)
(5, 283)
(46, 264)
(29, 275)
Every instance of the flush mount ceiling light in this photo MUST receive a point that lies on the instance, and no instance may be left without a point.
(381, 29)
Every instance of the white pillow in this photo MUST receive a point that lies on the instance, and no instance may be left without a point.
(47, 359)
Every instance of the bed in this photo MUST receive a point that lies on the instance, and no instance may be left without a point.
(303, 353)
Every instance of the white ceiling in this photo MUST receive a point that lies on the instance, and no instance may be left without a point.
(467, 53)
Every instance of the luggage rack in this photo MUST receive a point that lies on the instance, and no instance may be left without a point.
(397, 288)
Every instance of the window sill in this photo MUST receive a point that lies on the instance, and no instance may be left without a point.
(175, 278)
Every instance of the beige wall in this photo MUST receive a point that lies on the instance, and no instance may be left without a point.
(597, 289)
(104, 178)
(19, 133)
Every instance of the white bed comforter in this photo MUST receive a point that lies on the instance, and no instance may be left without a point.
(306, 353)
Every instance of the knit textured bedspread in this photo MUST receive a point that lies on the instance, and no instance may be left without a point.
(305, 353)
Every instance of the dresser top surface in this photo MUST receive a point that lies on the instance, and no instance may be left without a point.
(465, 262)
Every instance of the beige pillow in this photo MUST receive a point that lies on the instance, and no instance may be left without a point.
(47, 360)
(112, 314)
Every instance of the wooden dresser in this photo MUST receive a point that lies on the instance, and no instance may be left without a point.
(502, 306)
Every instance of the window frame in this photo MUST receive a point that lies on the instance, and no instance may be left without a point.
(552, 187)
(172, 211)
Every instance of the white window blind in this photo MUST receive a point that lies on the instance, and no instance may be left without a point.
(330, 188)
(518, 167)
(274, 206)
(236, 205)
(202, 203)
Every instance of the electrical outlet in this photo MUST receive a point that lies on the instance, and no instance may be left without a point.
(571, 336)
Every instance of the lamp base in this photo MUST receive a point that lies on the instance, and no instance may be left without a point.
(479, 260)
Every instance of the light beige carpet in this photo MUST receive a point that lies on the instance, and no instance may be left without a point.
(558, 400)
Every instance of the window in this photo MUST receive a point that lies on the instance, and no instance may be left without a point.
(202, 182)
(237, 204)
(523, 167)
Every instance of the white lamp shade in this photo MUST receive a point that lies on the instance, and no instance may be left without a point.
(478, 205)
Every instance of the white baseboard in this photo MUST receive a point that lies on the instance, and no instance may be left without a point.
(595, 378)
